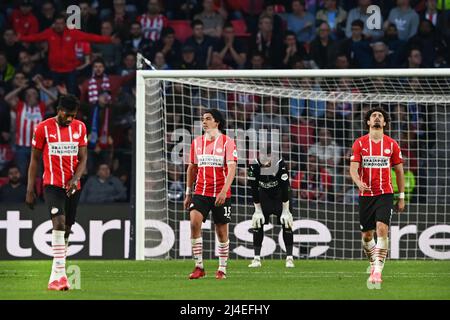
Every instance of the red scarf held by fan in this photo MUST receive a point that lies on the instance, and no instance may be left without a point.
(94, 90)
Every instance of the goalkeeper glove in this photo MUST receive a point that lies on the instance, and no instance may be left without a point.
(286, 218)
(258, 217)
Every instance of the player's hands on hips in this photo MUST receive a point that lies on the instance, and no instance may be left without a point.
(187, 201)
(220, 199)
(72, 186)
(30, 198)
(258, 219)
(400, 207)
(363, 187)
(286, 219)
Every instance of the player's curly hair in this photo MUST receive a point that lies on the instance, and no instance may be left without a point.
(68, 102)
(387, 119)
(218, 117)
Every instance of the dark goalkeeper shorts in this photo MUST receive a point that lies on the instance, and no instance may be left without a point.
(270, 206)
(220, 215)
(373, 209)
(58, 203)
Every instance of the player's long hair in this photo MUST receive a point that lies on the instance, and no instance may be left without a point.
(386, 117)
(218, 117)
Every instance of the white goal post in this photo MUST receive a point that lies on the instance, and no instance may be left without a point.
(314, 110)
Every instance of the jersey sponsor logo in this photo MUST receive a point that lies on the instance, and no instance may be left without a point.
(268, 185)
(63, 148)
(387, 151)
(284, 176)
(375, 162)
(208, 160)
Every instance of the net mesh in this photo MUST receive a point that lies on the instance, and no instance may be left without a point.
(318, 120)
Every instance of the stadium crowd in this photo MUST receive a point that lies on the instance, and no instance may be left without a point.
(40, 59)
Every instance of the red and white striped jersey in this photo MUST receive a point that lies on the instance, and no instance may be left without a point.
(212, 157)
(59, 145)
(27, 119)
(152, 27)
(376, 160)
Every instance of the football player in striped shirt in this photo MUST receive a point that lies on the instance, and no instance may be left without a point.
(213, 166)
(370, 168)
(270, 192)
(62, 142)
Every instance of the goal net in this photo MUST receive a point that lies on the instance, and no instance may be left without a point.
(313, 117)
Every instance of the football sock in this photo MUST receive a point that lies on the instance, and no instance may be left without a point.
(258, 235)
(223, 255)
(288, 238)
(369, 249)
(59, 255)
(381, 250)
(197, 251)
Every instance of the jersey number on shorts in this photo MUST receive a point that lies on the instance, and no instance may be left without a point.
(227, 213)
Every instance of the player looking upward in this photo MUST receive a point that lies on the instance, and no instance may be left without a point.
(213, 166)
(270, 196)
(370, 168)
(62, 141)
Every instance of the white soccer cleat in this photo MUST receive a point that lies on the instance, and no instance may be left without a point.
(256, 263)
(290, 262)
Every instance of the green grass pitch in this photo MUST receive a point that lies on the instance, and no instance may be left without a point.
(167, 280)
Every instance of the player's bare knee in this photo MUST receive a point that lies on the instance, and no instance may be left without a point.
(382, 229)
(59, 222)
(367, 235)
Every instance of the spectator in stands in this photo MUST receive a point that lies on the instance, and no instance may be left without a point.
(11, 46)
(153, 21)
(428, 41)
(381, 58)
(414, 59)
(88, 17)
(397, 47)
(326, 150)
(360, 13)
(103, 187)
(121, 18)
(357, 47)
(27, 66)
(109, 52)
(334, 121)
(6, 152)
(431, 13)
(46, 85)
(342, 61)
(136, 42)
(301, 107)
(293, 49)
(170, 47)
(315, 183)
(189, 60)
(175, 191)
(47, 15)
(62, 59)
(270, 118)
(334, 16)
(6, 70)
(302, 130)
(270, 10)
(269, 42)
(159, 62)
(301, 22)
(14, 191)
(323, 48)
(29, 111)
(202, 43)
(23, 21)
(217, 62)
(128, 64)
(257, 61)
(212, 20)
(101, 81)
(405, 19)
(230, 49)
